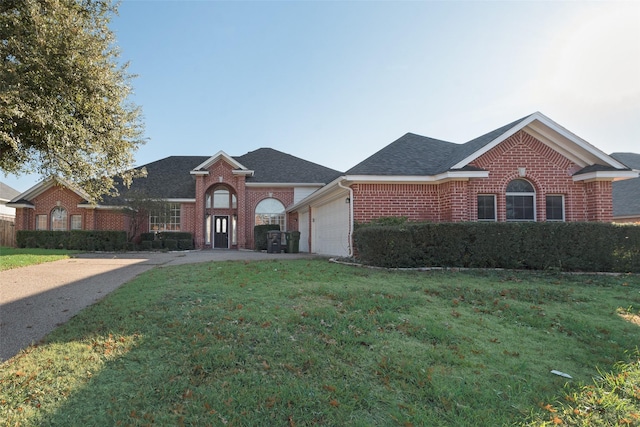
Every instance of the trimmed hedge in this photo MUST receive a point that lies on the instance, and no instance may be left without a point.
(109, 241)
(260, 235)
(76, 240)
(565, 246)
(168, 240)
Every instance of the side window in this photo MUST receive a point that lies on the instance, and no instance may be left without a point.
(521, 198)
(41, 222)
(76, 222)
(486, 207)
(555, 208)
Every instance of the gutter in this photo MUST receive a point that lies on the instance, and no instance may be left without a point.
(350, 233)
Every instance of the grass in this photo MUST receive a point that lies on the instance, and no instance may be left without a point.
(312, 343)
(14, 257)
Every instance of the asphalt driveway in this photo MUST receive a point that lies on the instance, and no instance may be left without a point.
(35, 300)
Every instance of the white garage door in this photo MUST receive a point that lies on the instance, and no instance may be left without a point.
(303, 226)
(330, 228)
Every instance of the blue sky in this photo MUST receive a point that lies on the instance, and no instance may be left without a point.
(335, 81)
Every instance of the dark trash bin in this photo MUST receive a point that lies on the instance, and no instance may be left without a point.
(293, 242)
(274, 241)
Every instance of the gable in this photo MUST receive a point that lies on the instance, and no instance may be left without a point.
(549, 133)
(25, 199)
(419, 156)
(220, 155)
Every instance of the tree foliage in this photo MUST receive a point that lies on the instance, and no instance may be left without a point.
(139, 207)
(64, 107)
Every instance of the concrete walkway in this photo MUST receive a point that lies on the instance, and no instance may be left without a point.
(35, 300)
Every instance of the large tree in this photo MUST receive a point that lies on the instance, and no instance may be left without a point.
(64, 95)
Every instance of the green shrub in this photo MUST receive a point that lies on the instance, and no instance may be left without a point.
(82, 240)
(147, 236)
(539, 246)
(145, 245)
(185, 244)
(171, 244)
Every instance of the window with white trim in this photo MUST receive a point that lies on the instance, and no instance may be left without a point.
(41, 222)
(521, 201)
(220, 197)
(270, 211)
(555, 207)
(166, 220)
(76, 222)
(486, 207)
(59, 219)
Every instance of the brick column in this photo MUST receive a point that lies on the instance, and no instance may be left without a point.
(243, 217)
(599, 201)
(199, 213)
(89, 219)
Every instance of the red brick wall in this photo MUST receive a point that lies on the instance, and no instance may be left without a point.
(599, 195)
(418, 202)
(108, 219)
(188, 218)
(48, 200)
(255, 195)
(248, 198)
(548, 171)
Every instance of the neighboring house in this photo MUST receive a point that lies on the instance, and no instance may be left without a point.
(626, 194)
(529, 170)
(7, 193)
(7, 215)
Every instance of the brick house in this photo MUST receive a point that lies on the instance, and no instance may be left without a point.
(529, 170)
(218, 199)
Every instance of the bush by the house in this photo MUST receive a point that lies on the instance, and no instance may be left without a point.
(83, 240)
(166, 240)
(75, 240)
(260, 235)
(569, 246)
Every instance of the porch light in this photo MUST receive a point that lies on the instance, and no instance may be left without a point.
(347, 200)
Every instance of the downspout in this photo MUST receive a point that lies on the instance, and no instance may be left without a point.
(349, 236)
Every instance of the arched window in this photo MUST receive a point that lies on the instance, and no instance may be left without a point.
(59, 219)
(270, 211)
(521, 198)
(220, 198)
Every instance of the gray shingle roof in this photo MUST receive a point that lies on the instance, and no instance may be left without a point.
(410, 154)
(419, 155)
(275, 166)
(626, 194)
(476, 144)
(170, 178)
(167, 178)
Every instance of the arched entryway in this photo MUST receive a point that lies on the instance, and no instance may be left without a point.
(221, 217)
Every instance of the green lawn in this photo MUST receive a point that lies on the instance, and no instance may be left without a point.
(313, 343)
(14, 257)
